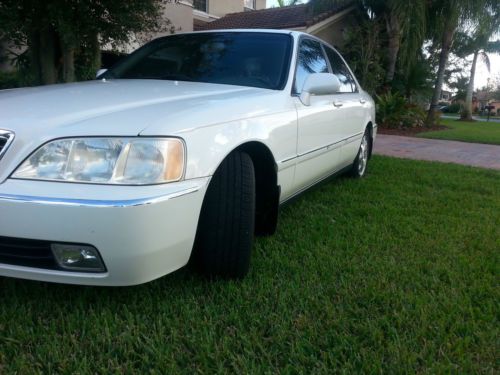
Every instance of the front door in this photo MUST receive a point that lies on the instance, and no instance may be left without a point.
(319, 124)
(352, 126)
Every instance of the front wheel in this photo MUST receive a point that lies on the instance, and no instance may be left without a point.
(361, 162)
(226, 227)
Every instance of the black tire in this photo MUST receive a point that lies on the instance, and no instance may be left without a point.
(363, 156)
(225, 234)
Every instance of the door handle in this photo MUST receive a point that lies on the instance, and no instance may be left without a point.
(362, 101)
(338, 104)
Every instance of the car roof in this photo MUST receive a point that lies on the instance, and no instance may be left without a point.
(265, 31)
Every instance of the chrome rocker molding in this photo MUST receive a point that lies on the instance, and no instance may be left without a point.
(331, 146)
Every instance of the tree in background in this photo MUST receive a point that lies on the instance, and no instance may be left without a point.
(58, 32)
(402, 23)
(402, 30)
(287, 3)
(478, 44)
(496, 88)
(447, 17)
(362, 50)
(405, 27)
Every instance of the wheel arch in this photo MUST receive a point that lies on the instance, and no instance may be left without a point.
(266, 186)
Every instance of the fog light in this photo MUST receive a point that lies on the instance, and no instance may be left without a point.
(78, 258)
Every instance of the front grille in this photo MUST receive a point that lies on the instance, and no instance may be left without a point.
(6, 138)
(27, 253)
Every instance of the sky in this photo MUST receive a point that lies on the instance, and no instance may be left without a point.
(482, 73)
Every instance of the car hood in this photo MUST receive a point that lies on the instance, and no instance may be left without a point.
(121, 108)
(65, 106)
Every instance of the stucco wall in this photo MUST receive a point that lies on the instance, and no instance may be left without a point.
(260, 4)
(222, 7)
(181, 15)
(334, 34)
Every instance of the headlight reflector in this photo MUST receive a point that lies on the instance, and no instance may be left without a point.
(115, 161)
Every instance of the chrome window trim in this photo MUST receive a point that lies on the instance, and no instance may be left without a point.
(9, 136)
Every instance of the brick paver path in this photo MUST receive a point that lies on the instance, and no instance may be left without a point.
(474, 154)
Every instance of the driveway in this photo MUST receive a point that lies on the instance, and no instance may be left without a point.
(473, 154)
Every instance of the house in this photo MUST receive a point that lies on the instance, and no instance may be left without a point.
(196, 15)
(446, 97)
(496, 107)
(189, 15)
(480, 99)
(178, 16)
(330, 26)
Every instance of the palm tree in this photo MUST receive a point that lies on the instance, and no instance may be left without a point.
(285, 3)
(447, 17)
(405, 26)
(480, 45)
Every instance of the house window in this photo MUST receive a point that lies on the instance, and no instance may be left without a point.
(250, 4)
(201, 5)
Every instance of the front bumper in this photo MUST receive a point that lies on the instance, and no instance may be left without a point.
(141, 233)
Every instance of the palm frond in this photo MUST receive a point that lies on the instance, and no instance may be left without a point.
(486, 60)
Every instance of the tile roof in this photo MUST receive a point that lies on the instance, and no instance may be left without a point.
(199, 25)
(290, 17)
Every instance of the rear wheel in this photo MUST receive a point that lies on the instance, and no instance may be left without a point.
(226, 227)
(361, 162)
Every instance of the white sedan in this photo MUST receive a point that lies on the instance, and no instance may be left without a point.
(180, 153)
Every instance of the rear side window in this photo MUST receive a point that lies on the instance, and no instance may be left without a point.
(340, 69)
(311, 59)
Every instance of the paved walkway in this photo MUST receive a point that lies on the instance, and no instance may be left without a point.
(477, 118)
(473, 154)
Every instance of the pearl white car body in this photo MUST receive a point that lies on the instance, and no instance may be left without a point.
(145, 232)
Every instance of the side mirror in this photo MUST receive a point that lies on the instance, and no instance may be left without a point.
(319, 84)
(100, 72)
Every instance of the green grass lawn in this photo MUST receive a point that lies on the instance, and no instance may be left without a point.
(475, 132)
(395, 273)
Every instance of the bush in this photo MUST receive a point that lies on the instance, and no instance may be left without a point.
(454, 108)
(393, 111)
(8, 80)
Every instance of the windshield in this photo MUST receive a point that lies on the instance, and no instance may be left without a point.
(234, 58)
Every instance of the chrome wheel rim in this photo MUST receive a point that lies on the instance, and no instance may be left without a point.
(363, 156)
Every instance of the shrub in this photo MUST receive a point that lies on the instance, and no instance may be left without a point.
(454, 108)
(8, 80)
(393, 111)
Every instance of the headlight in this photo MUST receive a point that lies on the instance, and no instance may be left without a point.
(116, 161)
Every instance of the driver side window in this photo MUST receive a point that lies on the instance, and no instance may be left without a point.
(311, 59)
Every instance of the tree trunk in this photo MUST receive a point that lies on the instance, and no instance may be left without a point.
(34, 55)
(449, 32)
(394, 32)
(68, 55)
(96, 52)
(467, 112)
(47, 56)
